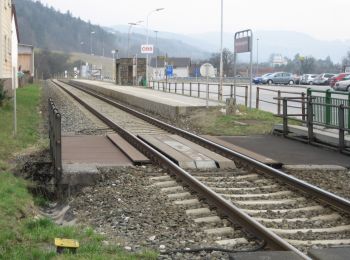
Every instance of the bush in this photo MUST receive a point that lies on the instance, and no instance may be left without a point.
(3, 94)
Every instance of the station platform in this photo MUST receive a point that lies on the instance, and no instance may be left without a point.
(275, 149)
(158, 102)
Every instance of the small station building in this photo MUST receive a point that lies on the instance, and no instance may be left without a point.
(130, 71)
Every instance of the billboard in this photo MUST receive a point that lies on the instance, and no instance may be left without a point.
(242, 44)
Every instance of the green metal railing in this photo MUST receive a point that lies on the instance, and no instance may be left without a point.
(327, 113)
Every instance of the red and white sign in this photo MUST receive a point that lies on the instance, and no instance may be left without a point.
(147, 49)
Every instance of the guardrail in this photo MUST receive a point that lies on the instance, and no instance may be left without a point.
(55, 139)
(199, 89)
(327, 114)
(277, 100)
(311, 102)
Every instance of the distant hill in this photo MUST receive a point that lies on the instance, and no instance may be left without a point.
(287, 43)
(46, 28)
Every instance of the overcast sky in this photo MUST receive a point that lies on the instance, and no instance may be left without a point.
(326, 19)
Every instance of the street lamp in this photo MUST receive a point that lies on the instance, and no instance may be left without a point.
(157, 52)
(114, 62)
(149, 14)
(257, 56)
(130, 27)
(221, 50)
(91, 33)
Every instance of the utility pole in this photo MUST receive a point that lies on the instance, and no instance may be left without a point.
(221, 50)
(156, 52)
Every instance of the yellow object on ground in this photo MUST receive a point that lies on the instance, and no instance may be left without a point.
(62, 243)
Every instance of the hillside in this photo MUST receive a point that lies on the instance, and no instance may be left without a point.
(46, 28)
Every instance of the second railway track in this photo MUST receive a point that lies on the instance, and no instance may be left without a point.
(287, 213)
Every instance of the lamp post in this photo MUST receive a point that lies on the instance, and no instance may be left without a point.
(81, 62)
(157, 52)
(221, 49)
(91, 33)
(149, 14)
(129, 32)
(257, 56)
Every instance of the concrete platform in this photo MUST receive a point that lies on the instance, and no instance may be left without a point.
(339, 253)
(187, 154)
(265, 255)
(261, 158)
(287, 151)
(162, 103)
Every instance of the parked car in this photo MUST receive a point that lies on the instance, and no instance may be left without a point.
(337, 78)
(279, 78)
(258, 80)
(343, 85)
(323, 79)
(308, 79)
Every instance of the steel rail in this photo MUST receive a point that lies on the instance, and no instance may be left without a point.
(320, 194)
(223, 206)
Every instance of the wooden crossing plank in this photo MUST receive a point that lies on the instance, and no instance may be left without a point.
(130, 151)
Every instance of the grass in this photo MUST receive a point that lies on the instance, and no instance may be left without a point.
(27, 123)
(247, 122)
(23, 235)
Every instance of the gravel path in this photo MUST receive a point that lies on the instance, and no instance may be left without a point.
(333, 181)
(75, 118)
(128, 209)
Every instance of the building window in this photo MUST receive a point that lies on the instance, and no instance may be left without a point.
(5, 48)
(9, 46)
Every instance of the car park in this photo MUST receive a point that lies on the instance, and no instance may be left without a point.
(338, 77)
(279, 78)
(343, 85)
(258, 80)
(323, 79)
(308, 79)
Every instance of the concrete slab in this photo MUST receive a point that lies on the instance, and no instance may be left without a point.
(201, 160)
(221, 161)
(183, 154)
(261, 158)
(162, 103)
(339, 253)
(265, 255)
(182, 160)
(288, 151)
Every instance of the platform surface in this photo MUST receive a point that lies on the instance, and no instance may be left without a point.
(92, 150)
(288, 151)
(167, 98)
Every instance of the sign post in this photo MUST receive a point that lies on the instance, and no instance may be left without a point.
(207, 70)
(147, 49)
(244, 43)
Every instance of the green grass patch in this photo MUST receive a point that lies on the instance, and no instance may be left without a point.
(22, 234)
(24, 237)
(28, 99)
(247, 122)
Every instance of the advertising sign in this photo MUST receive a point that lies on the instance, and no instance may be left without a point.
(147, 49)
(242, 44)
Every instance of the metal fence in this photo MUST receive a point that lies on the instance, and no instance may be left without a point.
(200, 89)
(310, 118)
(275, 98)
(326, 106)
(55, 139)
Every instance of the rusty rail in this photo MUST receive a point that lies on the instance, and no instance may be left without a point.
(55, 139)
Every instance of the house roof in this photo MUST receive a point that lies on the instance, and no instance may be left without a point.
(176, 62)
(14, 14)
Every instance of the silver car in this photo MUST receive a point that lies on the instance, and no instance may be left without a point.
(279, 78)
(343, 85)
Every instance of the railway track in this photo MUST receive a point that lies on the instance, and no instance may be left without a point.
(289, 214)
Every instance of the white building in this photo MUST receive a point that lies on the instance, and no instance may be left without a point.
(181, 67)
(278, 60)
(14, 43)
